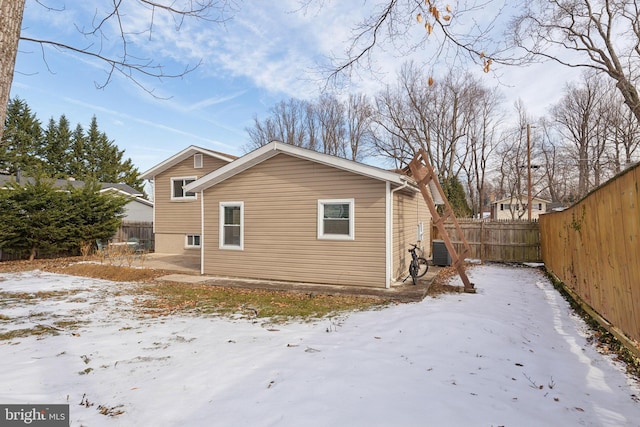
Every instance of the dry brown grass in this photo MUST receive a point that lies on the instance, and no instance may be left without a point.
(441, 284)
(165, 298)
(78, 266)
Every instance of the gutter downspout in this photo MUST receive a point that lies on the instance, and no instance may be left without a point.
(390, 225)
(202, 232)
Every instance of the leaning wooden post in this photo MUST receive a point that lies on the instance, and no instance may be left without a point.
(423, 173)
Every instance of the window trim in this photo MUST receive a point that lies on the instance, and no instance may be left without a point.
(221, 225)
(182, 178)
(352, 220)
(193, 246)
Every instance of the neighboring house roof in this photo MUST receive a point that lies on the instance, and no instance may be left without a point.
(274, 148)
(182, 155)
(124, 189)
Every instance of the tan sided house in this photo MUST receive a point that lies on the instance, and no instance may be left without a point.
(177, 219)
(286, 213)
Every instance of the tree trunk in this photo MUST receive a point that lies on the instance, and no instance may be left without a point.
(11, 12)
(630, 95)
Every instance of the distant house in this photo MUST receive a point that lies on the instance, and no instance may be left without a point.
(516, 208)
(286, 213)
(137, 210)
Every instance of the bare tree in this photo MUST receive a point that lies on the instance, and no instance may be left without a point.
(577, 118)
(445, 27)
(288, 123)
(435, 115)
(557, 166)
(513, 165)
(359, 120)
(603, 35)
(330, 114)
(326, 125)
(481, 143)
(111, 39)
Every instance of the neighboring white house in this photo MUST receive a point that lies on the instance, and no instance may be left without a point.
(138, 209)
(516, 208)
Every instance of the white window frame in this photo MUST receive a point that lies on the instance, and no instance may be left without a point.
(184, 197)
(193, 245)
(198, 161)
(352, 223)
(224, 205)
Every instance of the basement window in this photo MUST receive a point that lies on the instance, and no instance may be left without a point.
(193, 241)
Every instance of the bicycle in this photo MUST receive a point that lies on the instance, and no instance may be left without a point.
(418, 266)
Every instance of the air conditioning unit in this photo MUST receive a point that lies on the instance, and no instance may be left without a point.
(441, 255)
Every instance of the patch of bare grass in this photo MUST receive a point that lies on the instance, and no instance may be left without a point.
(160, 299)
(109, 272)
(170, 298)
(37, 330)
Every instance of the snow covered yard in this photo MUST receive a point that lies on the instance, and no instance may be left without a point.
(511, 355)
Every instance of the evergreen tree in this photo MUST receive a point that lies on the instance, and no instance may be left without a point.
(34, 219)
(60, 153)
(105, 161)
(95, 215)
(57, 141)
(76, 166)
(454, 192)
(38, 219)
(21, 141)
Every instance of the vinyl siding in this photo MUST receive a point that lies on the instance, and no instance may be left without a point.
(409, 209)
(280, 199)
(176, 218)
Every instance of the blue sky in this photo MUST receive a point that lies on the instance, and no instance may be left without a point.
(268, 51)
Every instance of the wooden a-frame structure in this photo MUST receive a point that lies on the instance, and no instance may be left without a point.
(424, 174)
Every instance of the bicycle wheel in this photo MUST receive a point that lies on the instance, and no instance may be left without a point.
(422, 267)
(413, 271)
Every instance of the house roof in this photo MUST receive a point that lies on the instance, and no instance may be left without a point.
(523, 198)
(182, 155)
(125, 189)
(274, 148)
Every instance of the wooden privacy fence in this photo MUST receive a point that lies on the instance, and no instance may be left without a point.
(506, 241)
(140, 230)
(594, 248)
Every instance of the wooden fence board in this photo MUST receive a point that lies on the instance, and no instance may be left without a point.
(143, 231)
(506, 241)
(594, 248)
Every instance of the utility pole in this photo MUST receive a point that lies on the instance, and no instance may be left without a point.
(529, 170)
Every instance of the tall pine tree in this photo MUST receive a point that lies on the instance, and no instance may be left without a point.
(57, 139)
(58, 152)
(21, 141)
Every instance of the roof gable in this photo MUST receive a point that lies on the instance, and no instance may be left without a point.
(274, 148)
(182, 155)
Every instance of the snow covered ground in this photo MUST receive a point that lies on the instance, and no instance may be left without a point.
(511, 355)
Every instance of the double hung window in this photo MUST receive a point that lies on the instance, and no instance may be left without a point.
(232, 225)
(336, 219)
